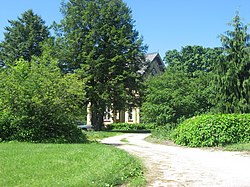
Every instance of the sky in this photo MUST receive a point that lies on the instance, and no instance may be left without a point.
(164, 24)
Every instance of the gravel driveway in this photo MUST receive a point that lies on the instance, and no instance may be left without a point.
(180, 166)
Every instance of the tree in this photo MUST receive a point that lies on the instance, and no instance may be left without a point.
(199, 63)
(98, 38)
(39, 104)
(232, 83)
(193, 60)
(172, 97)
(23, 38)
(185, 89)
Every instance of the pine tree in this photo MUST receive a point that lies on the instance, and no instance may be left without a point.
(233, 71)
(23, 38)
(100, 41)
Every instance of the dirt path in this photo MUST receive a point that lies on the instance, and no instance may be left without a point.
(169, 166)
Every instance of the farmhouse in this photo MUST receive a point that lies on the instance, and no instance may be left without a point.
(154, 66)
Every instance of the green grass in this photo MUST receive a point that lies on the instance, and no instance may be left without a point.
(98, 135)
(124, 140)
(153, 139)
(238, 147)
(26, 164)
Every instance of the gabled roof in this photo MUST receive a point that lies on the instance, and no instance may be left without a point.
(150, 57)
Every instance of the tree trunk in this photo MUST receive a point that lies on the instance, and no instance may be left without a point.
(114, 116)
(97, 117)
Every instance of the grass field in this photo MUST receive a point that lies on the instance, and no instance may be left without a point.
(26, 164)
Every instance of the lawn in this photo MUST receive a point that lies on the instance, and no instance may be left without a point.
(98, 135)
(26, 164)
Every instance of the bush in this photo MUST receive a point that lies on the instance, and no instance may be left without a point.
(130, 126)
(213, 130)
(25, 129)
(40, 104)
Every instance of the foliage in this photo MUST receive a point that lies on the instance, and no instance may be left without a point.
(213, 130)
(163, 132)
(99, 39)
(173, 96)
(193, 60)
(232, 83)
(130, 126)
(23, 38)
(25, 164)
(38, 103)
(184, 90)
(238, 147)
(223, 77)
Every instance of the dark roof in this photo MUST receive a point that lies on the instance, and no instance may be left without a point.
(150, 57)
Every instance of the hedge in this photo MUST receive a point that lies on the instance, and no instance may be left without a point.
(213, 130)
(130, 126)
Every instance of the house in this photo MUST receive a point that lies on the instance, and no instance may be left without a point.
(154, 66)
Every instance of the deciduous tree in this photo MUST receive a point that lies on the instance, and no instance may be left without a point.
(174, 96)
(193, 60)
(185, 89)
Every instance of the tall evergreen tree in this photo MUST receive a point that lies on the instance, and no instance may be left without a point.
(99, 39)
(233, 71)
(23, 38)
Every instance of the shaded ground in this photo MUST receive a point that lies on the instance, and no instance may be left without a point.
(178, 166)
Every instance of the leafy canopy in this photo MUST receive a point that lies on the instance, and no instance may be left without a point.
(173, 96)
(194, 60)
(184, 90)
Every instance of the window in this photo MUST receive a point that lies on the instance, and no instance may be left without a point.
(153, 72)
(130, 114)
(107, 115)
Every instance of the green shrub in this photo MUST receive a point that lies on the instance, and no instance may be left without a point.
(40, 104)
(24, 129)
(5, 127)
(130, 126)
(213, 130)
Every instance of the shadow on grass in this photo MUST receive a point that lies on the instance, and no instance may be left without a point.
(114, 144)
(130, 131)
